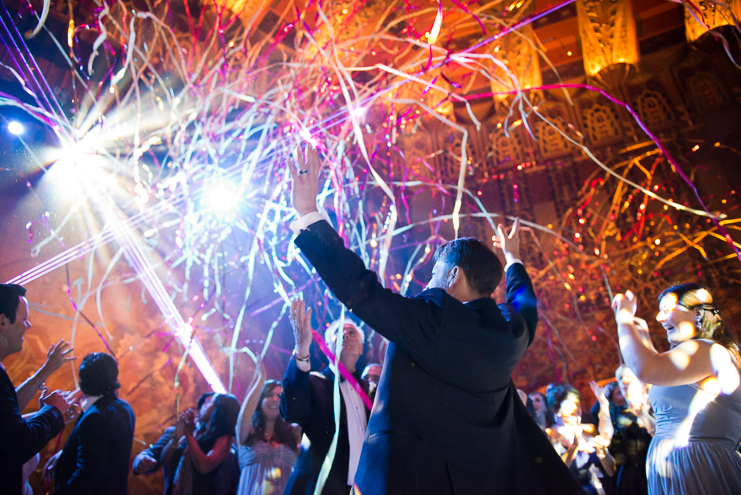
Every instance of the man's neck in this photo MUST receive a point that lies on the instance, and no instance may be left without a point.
(462, 292)
(349, 362)
(468, 297)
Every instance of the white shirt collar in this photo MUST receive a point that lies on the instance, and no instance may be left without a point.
(87, 402)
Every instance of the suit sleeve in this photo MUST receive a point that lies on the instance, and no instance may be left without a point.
(23, 439)
(295, 401)
(412, 323)
(521, 295)
(156, 450)
(95, 444)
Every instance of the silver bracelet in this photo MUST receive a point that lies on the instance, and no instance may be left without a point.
(301, 359)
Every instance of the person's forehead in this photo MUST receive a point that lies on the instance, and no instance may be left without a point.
(668, 302)
(22, 306)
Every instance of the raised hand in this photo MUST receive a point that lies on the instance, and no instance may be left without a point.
(599, 393)
(57, 355)
(509, 243)
(625, 306)
(305, 179)
(189, 425)
(301, 323)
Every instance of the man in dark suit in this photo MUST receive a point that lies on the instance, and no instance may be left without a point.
(308, 400)
(447, 418)
(96, 456)
(21, 439)
(148, 460)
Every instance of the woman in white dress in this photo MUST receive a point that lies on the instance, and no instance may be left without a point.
(267, 445)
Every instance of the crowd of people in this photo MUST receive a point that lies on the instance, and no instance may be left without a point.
(440, 415)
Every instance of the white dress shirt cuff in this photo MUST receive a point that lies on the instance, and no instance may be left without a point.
(302, 222)
(304, 366)
(512, 262)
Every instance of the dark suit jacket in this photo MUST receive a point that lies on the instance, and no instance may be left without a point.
(21, 439)
(156, 452)
(96, 457)
(307, 401)
(447, 418)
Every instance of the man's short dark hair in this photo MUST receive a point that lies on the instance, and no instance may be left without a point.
(10, 295)
(477, 260)
(98, 374)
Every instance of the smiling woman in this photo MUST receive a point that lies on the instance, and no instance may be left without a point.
(695, 395)
(267, 444)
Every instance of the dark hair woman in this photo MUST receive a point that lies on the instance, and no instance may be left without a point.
(585, 454)
(201, 449)
(695, 395)
(624, 417)
(267, 445)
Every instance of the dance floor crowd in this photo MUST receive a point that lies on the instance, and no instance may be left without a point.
(440, 414)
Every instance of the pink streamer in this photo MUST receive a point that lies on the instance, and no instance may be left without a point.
(343, 371)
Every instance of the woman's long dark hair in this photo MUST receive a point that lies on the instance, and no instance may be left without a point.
(222, 421)
(282, 434)
(710, 324)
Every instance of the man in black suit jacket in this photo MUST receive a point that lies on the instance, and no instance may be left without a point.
(148, 460)
(21, 439)
(307, 400)
(447, 418)
(95, 459)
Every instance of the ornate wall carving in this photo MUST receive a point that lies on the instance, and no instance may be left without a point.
(713, 14)
(600, 122)
(608, 34)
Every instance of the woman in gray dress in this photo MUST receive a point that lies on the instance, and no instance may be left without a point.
(695, 394)
(267, 445)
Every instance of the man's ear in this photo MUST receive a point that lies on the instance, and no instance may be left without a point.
(454, 276)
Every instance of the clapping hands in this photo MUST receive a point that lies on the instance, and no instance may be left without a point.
(186, 423)
(65, 402)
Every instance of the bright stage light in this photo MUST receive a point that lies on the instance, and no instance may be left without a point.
(221, 198)
(15, 127)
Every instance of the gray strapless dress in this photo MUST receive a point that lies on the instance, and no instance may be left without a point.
(694, 449)
(264, 469)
